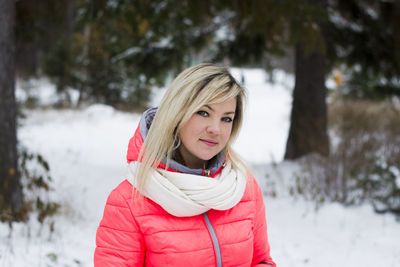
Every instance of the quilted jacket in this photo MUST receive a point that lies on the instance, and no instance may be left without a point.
(138, 232)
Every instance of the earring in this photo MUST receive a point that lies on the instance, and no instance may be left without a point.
(177, 143)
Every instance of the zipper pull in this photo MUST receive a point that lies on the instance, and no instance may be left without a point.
(207, 173)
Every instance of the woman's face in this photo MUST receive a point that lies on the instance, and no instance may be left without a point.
(206, 133)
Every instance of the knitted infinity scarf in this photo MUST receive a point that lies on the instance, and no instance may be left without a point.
(185, 195)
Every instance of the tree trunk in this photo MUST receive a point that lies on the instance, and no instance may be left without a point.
(26, 43)
(308, 119)
(10, 187)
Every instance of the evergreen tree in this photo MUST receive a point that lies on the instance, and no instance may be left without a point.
(114, 51)
(366, 35)
(362, 35)
(308, 119)
(262, 28)
(40, 26)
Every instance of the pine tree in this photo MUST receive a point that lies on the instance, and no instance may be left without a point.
(367, 39)
(308, 119)
(262, 28)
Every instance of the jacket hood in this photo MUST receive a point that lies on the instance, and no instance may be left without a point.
(136, 143)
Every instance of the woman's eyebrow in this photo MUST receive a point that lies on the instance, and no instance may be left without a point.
(225, 113)
(210, 108)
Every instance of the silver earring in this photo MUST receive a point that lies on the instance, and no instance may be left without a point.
(178, 143)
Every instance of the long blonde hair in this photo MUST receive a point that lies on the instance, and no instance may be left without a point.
(193, 88)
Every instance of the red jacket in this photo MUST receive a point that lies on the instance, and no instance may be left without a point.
(139, 232)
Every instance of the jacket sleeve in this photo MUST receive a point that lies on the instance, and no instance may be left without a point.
(261, 254)
(119, 241)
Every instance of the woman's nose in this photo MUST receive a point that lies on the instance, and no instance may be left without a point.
(214, 127)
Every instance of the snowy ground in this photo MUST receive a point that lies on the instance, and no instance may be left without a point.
(86, 151)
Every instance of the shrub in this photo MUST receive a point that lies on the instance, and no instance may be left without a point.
(36, 182)
(364, 160)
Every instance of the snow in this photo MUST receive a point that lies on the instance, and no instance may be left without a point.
(43, 91)
(86, 151)
(266, 119)
(127, 53)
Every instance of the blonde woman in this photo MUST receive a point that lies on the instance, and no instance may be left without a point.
(188, 199)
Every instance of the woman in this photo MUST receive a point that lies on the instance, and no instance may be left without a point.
(189, 199)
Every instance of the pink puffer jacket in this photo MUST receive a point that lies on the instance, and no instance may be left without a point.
(139, 232)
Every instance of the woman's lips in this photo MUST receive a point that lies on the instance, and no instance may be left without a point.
(209, 142)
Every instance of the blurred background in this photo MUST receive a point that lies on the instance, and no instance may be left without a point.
(322, 131)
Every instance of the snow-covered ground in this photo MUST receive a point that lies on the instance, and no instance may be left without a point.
(86, 151)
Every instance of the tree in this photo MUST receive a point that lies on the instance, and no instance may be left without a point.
(367, 37)
(112, 51)
(132, 45)
(262, 28)
(41, 26)
(364, 36)
(10, 188)
(308, 119)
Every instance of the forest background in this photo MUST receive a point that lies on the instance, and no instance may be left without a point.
(116, 51)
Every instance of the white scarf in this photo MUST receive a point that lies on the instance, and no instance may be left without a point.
(185, 195)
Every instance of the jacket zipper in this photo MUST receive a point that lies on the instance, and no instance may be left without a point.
(214, 238)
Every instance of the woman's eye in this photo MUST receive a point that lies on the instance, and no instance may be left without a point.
(202, 113)
(227, 119)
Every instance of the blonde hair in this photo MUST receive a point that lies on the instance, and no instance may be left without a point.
(193, 88)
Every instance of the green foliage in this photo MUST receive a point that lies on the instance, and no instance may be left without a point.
(260, 28)
(114, 52)
(365, 36)
(372, 85)
(52, 256)
(362, 35)
(37, 186)
(382, 187)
